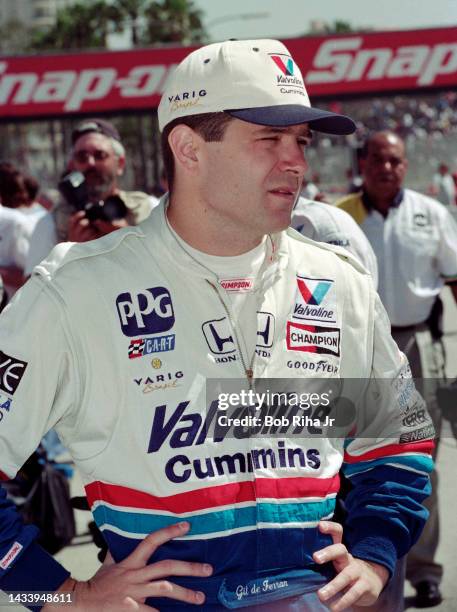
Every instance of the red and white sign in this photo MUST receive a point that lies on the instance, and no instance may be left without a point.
(237, 285)
(11, 555)
(112, 81)
(313, 339)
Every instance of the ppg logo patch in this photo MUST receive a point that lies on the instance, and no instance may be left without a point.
(147, 312)
(11, 372)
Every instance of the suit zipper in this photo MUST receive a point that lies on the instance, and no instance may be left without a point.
(248, 371)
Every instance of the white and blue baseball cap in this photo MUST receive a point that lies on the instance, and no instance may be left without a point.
(253, 80)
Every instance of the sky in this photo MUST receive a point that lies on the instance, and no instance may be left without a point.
(289, 18)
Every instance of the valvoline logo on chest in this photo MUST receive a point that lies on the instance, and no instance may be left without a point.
(315, 300)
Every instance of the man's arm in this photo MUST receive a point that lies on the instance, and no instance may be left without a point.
(388, 457)
(34, 568)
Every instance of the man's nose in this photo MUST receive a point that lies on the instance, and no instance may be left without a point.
(90, 160)
(293, 158)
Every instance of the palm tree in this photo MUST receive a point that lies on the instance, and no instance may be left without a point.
(130, 13)
(173, 21)
(79, 26)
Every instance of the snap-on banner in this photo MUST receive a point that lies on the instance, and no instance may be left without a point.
(112, 81)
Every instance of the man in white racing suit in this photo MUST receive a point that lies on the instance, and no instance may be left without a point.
(122, 344)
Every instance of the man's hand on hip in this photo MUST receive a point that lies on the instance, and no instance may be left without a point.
(357, 582)
(126, 585)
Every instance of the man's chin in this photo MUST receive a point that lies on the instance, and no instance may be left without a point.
(280, 223)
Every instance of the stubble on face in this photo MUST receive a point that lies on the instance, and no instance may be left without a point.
(251, 179)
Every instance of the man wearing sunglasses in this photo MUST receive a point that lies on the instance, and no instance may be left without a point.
(99, 155)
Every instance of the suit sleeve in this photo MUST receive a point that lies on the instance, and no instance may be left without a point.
(388, 457)
(37, 389)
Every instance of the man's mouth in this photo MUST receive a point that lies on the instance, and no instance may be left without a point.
(283, 191)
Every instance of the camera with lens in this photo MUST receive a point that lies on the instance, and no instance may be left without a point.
(73, 188)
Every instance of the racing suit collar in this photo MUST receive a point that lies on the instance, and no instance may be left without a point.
(276, 258)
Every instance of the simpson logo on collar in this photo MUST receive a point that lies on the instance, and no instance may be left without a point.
(11, 372)
(313, 339)
(237, 285)
(315, 300)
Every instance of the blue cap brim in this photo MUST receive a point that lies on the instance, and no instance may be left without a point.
(295, 114)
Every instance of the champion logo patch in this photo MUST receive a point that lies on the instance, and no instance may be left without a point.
(313, 339)
(315, 300)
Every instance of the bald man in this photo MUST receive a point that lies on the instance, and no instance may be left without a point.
(415, 240)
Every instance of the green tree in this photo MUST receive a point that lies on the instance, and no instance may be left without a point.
(173, 21)
(131, 16)
(14, 37)
(339, 27)
(85, 24)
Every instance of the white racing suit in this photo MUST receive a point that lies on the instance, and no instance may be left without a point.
(111, 342)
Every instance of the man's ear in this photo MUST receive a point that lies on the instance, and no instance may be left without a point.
(184, 143)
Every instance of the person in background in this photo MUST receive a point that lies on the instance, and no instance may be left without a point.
(415, 241)
(443, 188)
(327, 223)
(15, 230)
(19, 191)
(99, 156)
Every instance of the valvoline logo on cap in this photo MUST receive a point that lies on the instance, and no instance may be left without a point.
(289, 74)
(284, 63)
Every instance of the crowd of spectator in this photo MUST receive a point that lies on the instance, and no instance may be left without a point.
(431, 116)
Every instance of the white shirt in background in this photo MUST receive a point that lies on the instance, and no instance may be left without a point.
(327, 223)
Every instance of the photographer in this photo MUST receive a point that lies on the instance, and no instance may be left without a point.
(93, 204)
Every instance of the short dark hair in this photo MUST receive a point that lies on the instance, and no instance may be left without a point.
(11, 185)
(32, 186)
(211, 126)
